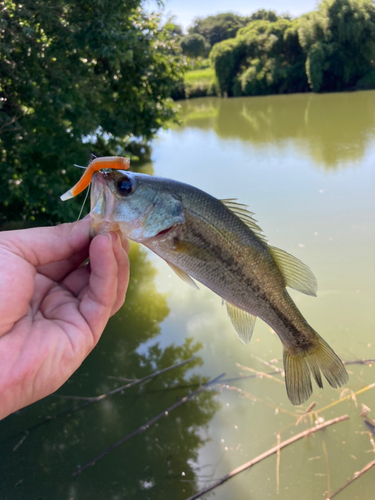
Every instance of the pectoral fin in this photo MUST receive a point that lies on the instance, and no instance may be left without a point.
(296, 274)
(242, 321)
(181, 274)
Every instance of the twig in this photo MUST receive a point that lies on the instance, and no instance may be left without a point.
(267, 454)
(278, 465)
(356, 476)
(368, 387)
(123, 387)
(90, 400)
(256, 398)
(21, 440)
(148, 424)
(360, 362)
(327, 467)
(261, 374)
(306, 412)
(123, 379)
(270, 365)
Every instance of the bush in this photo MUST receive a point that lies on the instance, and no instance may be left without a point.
(217, 28)
(367, 82)
(195, 45)
(339, 43)
(226, 58)
(264, 58)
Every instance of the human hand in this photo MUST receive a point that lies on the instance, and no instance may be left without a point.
(53, 310)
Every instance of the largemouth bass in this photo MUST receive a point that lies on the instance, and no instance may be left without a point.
(218, 243)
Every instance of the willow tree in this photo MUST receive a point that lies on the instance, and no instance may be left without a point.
(264, 58)
(339, 42)
(76, 77)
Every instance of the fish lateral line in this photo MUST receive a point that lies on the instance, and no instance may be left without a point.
(111, 162)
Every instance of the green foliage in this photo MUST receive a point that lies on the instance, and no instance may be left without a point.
(339, 42)
(226, 57)
(195, 45)
(200, 83)
(264, 58)
(264, 15)
(367, 82)
(174, 28)
(207, 74)
(76, 77)
(218, 28)
(330, 49)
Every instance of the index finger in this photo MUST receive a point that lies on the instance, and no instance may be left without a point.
(42, 245)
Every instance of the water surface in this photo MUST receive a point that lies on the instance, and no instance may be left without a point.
(305, 164)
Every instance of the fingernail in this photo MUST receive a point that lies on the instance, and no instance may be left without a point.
(115, 238)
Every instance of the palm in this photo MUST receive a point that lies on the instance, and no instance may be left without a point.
(52, 309)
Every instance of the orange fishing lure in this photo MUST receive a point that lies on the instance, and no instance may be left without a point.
(115, 162)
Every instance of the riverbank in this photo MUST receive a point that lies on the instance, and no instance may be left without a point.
(200, 82)
(203, 83)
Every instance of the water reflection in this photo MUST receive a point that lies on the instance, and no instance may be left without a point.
(40, 455)
(332, 129)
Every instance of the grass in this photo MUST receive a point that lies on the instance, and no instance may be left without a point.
(200, 75)
(200, 83)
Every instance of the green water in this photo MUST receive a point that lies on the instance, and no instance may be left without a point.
(305, 164)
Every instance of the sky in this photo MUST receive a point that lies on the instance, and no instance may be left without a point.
(186, 10)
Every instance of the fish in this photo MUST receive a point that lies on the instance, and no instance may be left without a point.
(219, 244)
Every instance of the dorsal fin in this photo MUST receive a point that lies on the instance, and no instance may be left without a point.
(245, 215)
(296, 274)
(242, 321)
(184, 276)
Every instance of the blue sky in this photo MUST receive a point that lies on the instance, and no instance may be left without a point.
(186, 10)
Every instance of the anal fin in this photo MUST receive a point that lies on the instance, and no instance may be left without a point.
(242, 321)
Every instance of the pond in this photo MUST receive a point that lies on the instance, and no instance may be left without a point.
(305, 165)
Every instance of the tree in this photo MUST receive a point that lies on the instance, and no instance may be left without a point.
(339, 42)
(264, 58)
(195, 45)
(263, 15)
(76, 77)
(218, 28)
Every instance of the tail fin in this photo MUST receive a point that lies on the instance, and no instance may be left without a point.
(298, 368)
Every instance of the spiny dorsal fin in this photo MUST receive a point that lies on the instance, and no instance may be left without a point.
(181, 274)
(242, 321)
(296, 274)
(245, 215)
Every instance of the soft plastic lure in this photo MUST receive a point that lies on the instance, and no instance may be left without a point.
(115, 162)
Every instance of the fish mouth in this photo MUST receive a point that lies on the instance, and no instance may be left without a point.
(164, 231)
(101, 205)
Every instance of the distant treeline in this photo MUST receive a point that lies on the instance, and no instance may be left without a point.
(329, 49)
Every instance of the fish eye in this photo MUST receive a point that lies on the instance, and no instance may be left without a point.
(125, 186)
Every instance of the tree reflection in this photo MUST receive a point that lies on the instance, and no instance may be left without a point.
(332, 129)
(158, 463)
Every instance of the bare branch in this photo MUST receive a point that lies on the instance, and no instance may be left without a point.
(148, 424)
(356, 476)
(266, 454)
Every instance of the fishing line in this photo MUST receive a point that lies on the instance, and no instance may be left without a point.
(84, 201)
(87, 192)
